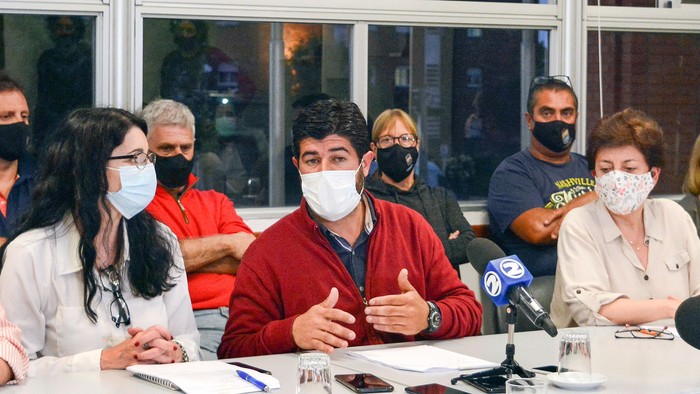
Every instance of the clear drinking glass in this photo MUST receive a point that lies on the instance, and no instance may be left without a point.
(575, 352)
(526, 386)
(314, 374)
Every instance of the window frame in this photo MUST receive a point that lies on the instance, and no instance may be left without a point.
(119, 34)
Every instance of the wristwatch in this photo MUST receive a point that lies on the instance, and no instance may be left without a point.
(434, 318)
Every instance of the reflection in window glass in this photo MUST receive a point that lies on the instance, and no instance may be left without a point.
(221, 71)
(658, 74)
(464, 91)
(52, 57)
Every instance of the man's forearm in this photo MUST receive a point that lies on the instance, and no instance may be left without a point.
(199, 253)
(580, 201)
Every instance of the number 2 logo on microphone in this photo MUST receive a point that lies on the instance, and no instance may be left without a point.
(512, 268)
(492, 284)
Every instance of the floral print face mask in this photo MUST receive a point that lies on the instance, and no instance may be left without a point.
(622, 192)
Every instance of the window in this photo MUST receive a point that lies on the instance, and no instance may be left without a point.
(52, 57)
(658, 73)
(463, 90)
(221, 71)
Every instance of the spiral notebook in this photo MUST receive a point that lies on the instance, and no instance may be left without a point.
(202, 377)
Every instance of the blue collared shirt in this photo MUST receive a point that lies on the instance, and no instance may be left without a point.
(353, 257)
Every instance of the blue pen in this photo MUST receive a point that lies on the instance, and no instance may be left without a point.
(255, 382)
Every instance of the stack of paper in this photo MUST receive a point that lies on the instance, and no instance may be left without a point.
(210, 377)
(422, 358)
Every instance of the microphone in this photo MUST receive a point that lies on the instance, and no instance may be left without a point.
(505, 278)
(687, 321)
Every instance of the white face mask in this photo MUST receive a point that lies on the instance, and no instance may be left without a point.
(622, 192)
(331, 194)
(138, 189)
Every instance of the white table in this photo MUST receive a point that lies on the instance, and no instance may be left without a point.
(631, 365)
(282, 366)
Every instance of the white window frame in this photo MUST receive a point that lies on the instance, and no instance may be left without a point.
(119, 34)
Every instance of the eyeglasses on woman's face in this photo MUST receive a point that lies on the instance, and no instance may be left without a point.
(405, 140)
(140, 160)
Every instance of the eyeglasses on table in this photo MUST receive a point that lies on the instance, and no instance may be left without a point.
(636, 332)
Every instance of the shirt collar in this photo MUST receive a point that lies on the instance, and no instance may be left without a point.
(611, 231)
(370, 217)
(68, 244)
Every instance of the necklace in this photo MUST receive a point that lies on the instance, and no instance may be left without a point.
(638, 245)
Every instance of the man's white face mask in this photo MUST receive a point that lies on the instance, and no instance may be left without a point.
(331, 194)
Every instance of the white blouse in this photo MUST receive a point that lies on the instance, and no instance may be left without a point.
(41, 287)
(596, 266)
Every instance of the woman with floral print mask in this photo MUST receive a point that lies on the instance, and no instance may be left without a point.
(625, 259)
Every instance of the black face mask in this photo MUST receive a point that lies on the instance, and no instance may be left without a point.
(173, 171)
(556, 136)
(13, 139)
(396, 161)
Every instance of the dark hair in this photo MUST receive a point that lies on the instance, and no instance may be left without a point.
(8, 84)
(72, 181)
(549, 84)
(327, 117)
(630, 127)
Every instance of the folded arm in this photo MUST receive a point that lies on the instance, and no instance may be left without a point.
(540, 226)
(219, 253)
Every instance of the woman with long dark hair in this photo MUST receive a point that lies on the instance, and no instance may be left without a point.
(93, 281)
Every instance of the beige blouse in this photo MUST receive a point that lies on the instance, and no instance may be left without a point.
(596, 265)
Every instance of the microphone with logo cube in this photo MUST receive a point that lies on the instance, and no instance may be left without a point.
(505, 280)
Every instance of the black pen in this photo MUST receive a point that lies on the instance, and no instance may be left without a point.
(255, 382)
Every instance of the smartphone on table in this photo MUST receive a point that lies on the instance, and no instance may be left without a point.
(433, 388)
(488, 384)
(364, 383)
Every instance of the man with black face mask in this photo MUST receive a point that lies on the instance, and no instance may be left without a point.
(17, 168)
(212, 236)
(531, 191)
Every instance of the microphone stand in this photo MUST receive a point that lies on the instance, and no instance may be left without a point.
(509, 366)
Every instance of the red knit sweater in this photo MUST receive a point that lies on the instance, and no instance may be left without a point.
(292, 267)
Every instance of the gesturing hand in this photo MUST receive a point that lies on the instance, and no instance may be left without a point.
(405, 313)
(317, 328)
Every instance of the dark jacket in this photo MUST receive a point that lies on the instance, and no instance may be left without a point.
(438, 206)
(20, 195)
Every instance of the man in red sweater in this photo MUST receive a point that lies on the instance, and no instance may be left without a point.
(345, 269)
(212, 236)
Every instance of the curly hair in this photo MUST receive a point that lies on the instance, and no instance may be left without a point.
(72, 181)
(629, 127)
(326, 117)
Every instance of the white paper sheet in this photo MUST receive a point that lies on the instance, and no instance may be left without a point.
(422, 358)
